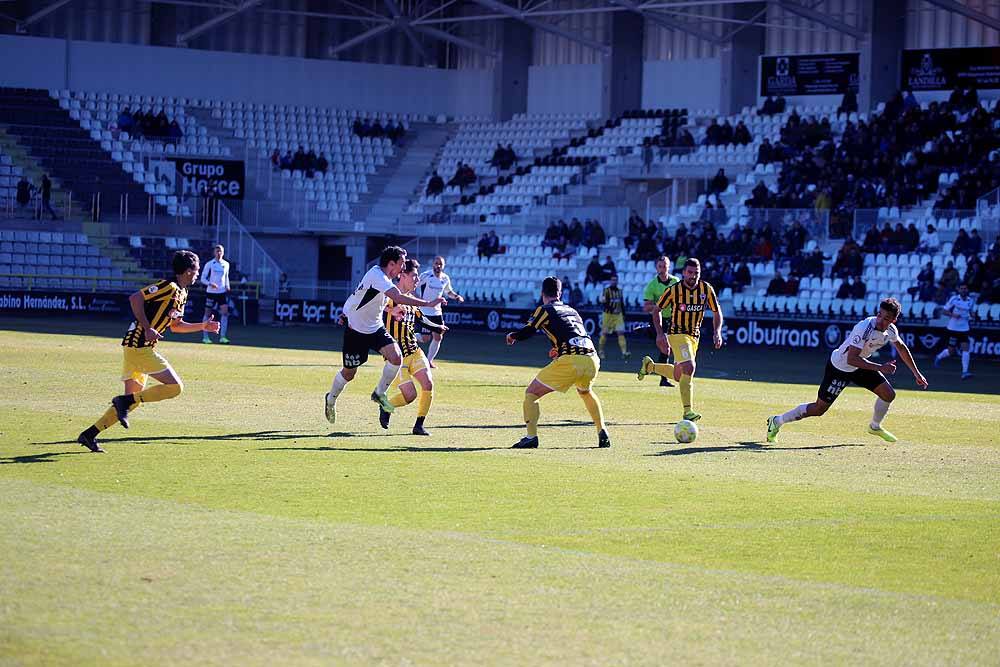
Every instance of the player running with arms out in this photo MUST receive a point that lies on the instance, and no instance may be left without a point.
(849, 364)
(400, 321)
(366, 332)
(688, 299)
(215, 278)
(959, 309)
(433, 284)
(155, 308)
(613, 319)
(655, 288)
(575, 364)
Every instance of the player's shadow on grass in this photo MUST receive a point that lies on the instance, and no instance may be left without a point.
(743, 447)
(256, 435)
(47, 457)
(561, 422)
(394, 449)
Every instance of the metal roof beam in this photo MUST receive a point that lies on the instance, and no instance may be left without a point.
(363, 37)
(525, 17)
(968, 12)
(403, 23)
(457, 41)
(185, 37)
(821, 18)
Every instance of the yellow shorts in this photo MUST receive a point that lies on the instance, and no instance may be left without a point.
(140, 362)
(612, 323)
(412, 364)
(684, 347)
(570, 370)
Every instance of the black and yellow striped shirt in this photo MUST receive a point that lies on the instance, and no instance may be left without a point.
(689, 305)
(164, 302)
(564, 327)
(403, 330)
(613, 300)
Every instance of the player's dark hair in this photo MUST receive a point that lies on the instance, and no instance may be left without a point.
(665, 259)
(391, 254)
(411, 265)
(692, 261)
(218, 246)
(184, 260)
(551, 287)
(891, 305)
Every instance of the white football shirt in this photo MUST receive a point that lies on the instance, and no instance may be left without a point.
(216, 271)
(364, 307)
(962, 309)
(865, 336)
(432, 287)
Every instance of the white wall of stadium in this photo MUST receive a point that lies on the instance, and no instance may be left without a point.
(150, 70)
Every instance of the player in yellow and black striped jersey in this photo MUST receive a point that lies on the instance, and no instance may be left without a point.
(155, 307)
(689, 298)
(400, 322)
(575, 363)
(613, 319)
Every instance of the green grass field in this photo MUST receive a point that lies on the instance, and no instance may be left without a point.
(243, 531)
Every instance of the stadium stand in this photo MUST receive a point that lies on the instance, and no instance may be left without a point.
(60, 260)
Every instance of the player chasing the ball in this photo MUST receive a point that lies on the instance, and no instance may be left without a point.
(575, 363)
(401, 320)
(155, 308)
(689, 299)
(366, 332)
(849, 364)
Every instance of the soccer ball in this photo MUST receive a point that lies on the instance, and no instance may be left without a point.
(685, 431)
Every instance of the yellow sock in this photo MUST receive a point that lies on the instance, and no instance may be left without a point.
(160, 392)
(600, 344)
(424, 405)
(622, 344)
(594, 408)
(110, 418)
(531, 414)
(398, 399)
(666, 370)
(687, 391)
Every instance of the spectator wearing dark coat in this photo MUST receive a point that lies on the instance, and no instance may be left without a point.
(435, 185)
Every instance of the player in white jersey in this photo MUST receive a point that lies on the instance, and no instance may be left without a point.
(433, 284)
(215, 278)
(959, 310)
(365, 331)
(849, 365)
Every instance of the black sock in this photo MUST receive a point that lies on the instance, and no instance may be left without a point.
(419, 423)
(91, 432)
(129, 399)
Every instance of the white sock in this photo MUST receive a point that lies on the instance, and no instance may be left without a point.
(881, 407)
(224, 326)
(793, 415)
(943, 354)
(388, 375)
(339, 382)
(965, 361)
(433, 350)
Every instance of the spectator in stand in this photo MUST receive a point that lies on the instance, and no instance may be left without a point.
(974, 246)
(720, 182)
(311, 162)
(792, 286)
(924, 289)
(858, 289)
(498, 159)
(24, 192)
(593, 235)
(174, 132)
(761, 197)
(494, 240)
(322, 164)
(685, 139)
(553, 237)
(276, 160)
(594, 273)
(910, 102)
(846, 289)
(929, 241)
(742, 277)
(777, 286)
(713, 134)
(484, 247)
(772, 106)
(608, 269)
(765, 154)
(125, 121)
(812, 264)
(577, 295)
(849, 104)
(912, 237)
(47, 197)
(435, 185)
(299, 160)
(948, 282)
(961, 244)
(741, 135)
